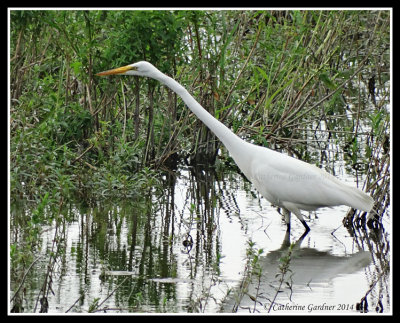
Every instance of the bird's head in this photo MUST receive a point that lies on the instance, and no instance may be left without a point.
(140, 68)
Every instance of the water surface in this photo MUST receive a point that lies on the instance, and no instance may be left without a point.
(208, 243)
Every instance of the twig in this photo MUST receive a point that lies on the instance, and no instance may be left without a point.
(81, 155)
(284, 268)
(18, 46)
(97, 307)
(23, 278)
(243, 68)
(124, 124)
(73, 304)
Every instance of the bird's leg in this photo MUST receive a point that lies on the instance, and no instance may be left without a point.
(305, 226)
(303, 236)
(300, 217)
(286, 213)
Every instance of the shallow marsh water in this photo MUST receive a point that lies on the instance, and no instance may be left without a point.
(209, 243)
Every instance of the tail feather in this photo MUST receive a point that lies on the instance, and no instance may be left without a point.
(359, 200)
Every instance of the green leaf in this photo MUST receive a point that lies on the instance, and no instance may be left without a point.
(76, 66)
(327, 81)
(263, 74)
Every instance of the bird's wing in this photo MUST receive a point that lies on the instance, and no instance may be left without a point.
(281, 178)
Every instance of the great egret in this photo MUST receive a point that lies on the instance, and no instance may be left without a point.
(284, 181)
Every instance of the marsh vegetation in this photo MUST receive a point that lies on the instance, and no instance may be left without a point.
(122, 201)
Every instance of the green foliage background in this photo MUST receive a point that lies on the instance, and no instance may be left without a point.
(272, 76)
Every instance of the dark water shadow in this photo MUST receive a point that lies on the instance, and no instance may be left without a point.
(288, 270)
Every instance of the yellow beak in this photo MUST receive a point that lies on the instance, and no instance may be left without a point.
(118, 70)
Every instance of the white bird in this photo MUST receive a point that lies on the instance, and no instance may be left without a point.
(284, 181)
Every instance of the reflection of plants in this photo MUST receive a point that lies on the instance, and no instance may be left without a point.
(23, 255)
(377, 242)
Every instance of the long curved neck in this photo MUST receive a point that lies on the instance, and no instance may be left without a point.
(228, 138)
